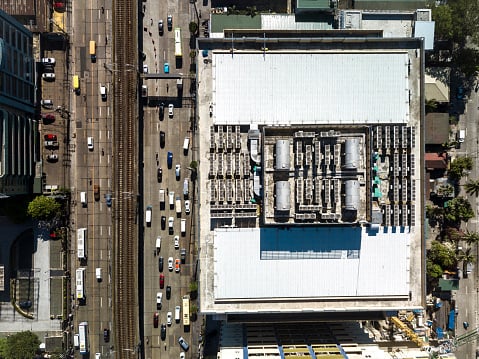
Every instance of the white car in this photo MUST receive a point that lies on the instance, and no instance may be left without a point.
(187, 206)
(182, 355)
(48, 76)
(159, 297)
(168, 318)
(170, 264)
(97, 355)
(171, 221)
(177, 171)
(171, 107)
(145, 69)
(48, 60)
(177, 242)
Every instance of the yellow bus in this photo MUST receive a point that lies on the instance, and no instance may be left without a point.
(76, 84)
(93, 51)
(178, 42)
(186, 311)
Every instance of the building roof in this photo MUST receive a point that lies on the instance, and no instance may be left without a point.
(389, 4)
(435, 160)
(436, 89)
(437, 128)
(294, 78)
(313, 4)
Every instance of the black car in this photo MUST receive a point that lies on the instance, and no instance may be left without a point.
(162, 111)
(169, 22)
(160, 264)
(106, 335)
(159, 174)
(160, 27)
(168, 292)
(48, 68)
(163, 331)
(25, 304)
(163, 222)
(162, 139)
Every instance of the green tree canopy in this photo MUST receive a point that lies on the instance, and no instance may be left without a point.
(472, 188)
(22, 345)
(43, 208)
(444, 28)
(457, 210)
(459, 167)
(442, 255)
(467, 256)
(471, 237)
(433, 270)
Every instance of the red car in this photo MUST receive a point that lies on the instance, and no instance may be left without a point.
(155, 320)
(50, 137)
(58, 6)
(162, 281)
(48, 118)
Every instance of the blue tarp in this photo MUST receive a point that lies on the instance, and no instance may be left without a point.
(439, 333)
(451, 325)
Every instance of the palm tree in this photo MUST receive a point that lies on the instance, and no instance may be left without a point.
(431, 105)
(466, 256)
(472, 187)
(471, 237)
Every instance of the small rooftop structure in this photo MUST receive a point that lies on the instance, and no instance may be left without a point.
(436, 128)
(435, 161)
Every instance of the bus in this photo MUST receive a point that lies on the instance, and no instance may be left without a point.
(81, 243)
(76, 84)
(93, 51)
(186, 311)
(80, 287)
(178, 42)
(83, 332)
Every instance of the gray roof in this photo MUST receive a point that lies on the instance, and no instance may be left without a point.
(310, 262)
(322, 88)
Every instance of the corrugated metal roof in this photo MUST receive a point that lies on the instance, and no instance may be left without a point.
(389, 4)
(313, 4)
(311, 262)
(288, 22)
(323, 88)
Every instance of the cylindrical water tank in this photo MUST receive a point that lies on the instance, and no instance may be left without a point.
(352, 195)
(283, 196)
(351, 158)
(282, 155)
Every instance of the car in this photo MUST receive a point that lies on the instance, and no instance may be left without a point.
(145, 68)
(169, 22)
(187, 206)
(177, 265)
(460, 93)
(182, 355)
(183, 255)
(163, 331)
(159, 297)
(160, 264)
(169, 159)
(53, 157)
(168, 292)
(103, 93)
(144, 91)
(48, 76)
(51, 144)
(59, 6)
(168, 318)
(50, 137)
(183, 344)
(171, 222)
(171, 108)
(170, 264)
(177, 171)
(108, 199)
(162, 139)
(162, 111)
(96, 192)
(166, 68)
(97, 355)
(25, 304)
(465, 325)
(163, 222)
(48, 61)
(48, 118)
(160, 27)
(177, 242)
(106, 335)
(48, 68)
(159, 175)
(162, 281)
(155, 319)
(48, 104)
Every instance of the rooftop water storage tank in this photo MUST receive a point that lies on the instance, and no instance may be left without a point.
(283, 196)
(282, 155)
(352, 195)
(351, 158)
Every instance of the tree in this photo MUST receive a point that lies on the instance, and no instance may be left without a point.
(443, 17)
(442, 255)
(433, 270)
(435, 214)
(459, 166)
(193, 27)
(471, 237)
(457, 210)
(472, 187)
(467, 256)
(431, 105)
(22, 345)
(445, 190)
(43, 208)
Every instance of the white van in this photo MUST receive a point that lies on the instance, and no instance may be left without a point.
(76, 341)
(172, 199)
(158, 244)
(185, 188)
(103, 92)
(161, 195)
(148, 216)
(177, 314)
(183, 227)
(178, 205)
(98, 274)
(186, 145)
(461, 136)
(83, 199)
(90, 143)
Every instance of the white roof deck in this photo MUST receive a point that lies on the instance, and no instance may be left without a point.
(311, 262)
(324, 88)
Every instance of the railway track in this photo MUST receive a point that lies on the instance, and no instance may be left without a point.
(125, 135)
